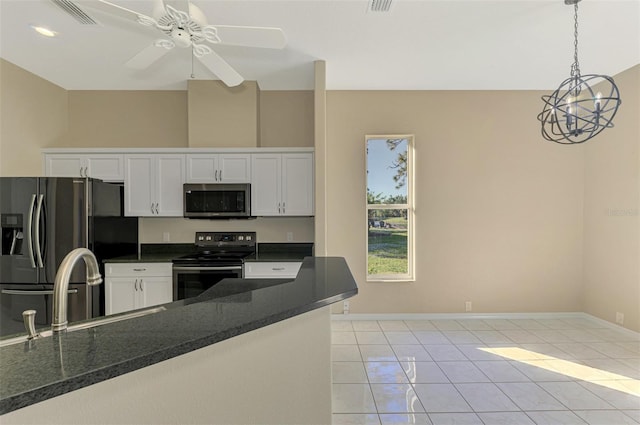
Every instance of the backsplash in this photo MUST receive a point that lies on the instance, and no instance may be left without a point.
(269, 229)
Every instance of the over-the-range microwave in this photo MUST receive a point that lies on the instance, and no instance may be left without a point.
(217, 200)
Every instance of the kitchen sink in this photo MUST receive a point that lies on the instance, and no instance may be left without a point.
(86, 324)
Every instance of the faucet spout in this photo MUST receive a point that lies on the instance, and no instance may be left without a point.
(61, 287)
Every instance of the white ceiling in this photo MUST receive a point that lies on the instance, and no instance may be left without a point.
(417, 45)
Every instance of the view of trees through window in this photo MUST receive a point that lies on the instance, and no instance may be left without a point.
(388, 207)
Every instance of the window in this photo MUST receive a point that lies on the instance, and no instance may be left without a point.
(389, 208)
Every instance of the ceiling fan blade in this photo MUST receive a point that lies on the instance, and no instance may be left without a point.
(221, 69)
(114, 9)
(181, 5)
(147, 56)
(271, 38)
(197, 15)
(158, 9)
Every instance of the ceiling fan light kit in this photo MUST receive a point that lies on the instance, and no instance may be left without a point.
(583, 106)
(190, 29)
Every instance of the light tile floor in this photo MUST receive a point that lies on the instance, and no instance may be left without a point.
(484, 371)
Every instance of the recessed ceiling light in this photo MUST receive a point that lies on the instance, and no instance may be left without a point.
(44, 31)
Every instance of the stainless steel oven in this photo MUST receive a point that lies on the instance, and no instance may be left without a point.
(191, 281)
(218, 256)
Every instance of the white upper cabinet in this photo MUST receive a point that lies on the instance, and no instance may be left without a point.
(266, 184)
(282, 184)
(107, 167)
(297, 184)
(153, 185)
(218, 168)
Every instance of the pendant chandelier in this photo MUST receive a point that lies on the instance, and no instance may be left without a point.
(582, 106)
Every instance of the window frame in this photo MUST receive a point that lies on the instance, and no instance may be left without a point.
(410, 276)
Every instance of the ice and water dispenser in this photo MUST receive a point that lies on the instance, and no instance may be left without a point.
(12, 234)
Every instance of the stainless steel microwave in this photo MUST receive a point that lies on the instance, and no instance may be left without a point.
(217, 200)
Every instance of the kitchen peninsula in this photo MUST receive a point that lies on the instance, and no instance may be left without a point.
(245, 351)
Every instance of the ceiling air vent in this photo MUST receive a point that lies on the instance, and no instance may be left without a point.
(75, 12)
(380, 5)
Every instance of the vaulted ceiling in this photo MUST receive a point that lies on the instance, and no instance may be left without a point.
(416, 45)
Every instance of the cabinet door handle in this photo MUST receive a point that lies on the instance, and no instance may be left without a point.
(220, 175)
(283, 208)
(157, 204)
(279, 210)
(152, 208)
(141, 287)
(135, 285)
(86, 171)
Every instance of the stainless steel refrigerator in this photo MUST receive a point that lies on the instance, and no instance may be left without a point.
(42, 219)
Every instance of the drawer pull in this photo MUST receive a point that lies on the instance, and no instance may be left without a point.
(139, 270)
(277, 268)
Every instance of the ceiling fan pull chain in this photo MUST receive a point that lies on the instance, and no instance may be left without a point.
(193, 76)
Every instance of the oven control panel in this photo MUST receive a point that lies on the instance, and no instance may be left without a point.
(225, 238)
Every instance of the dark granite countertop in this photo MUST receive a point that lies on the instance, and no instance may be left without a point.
(51, 366)
(267, 251)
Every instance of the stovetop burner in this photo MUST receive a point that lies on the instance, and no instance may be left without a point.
(228, 248)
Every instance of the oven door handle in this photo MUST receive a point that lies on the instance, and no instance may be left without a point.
(190, 269)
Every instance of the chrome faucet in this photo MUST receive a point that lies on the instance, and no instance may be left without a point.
(61, 287)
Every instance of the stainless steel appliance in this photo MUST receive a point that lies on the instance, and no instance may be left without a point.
(217, 200)
(219, 255)
(41, 220)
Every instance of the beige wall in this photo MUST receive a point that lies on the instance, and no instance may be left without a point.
(33, 115)
(221, 116)
(498, 209)
(286, 118)
(127, 119)
(612, 202)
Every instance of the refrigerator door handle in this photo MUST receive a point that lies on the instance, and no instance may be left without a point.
(29, 232)
(38, 292)
(37, 231)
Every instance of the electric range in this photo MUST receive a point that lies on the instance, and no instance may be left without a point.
(217, 256)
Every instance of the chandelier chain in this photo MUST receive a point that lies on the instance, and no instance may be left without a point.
(575, 68)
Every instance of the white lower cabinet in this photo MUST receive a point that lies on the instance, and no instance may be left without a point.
(271, 270)
(130, 286)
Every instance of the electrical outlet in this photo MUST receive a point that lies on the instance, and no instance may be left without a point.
(467, 306)
(289, 236)
(345, 307)
(166, 237)
(619, 318)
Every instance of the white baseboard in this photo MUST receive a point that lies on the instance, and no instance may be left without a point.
(462, 316)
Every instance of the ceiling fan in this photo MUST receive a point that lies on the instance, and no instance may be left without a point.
(184, 25)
